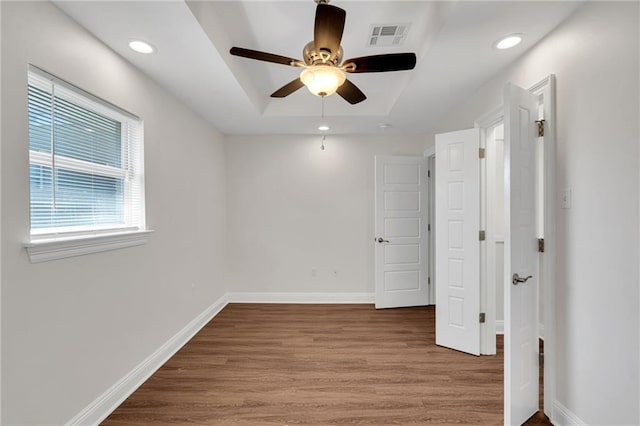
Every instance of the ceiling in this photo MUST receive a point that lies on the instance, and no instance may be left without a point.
(453, 41)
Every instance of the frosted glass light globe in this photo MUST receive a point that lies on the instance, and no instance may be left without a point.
(322, 80)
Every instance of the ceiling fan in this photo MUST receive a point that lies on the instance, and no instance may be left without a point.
(324, 70)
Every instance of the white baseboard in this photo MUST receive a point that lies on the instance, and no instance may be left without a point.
(100, 408)
(245, 297)
(562, 416)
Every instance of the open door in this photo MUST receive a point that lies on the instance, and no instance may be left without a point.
(457, 250)
(401, 232)
(520, 257)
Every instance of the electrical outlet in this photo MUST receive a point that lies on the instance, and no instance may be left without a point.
(335, 273)
(314, 272)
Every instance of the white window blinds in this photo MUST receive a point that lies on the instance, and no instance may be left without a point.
(85, 162)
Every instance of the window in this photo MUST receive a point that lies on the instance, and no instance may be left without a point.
(85, 163)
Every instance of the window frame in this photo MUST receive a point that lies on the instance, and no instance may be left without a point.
(49, 243)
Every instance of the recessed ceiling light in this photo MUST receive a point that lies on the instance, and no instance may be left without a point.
(509, 41)
(323, 128)
(141, 46)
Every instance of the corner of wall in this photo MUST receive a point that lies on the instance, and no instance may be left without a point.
(105, 404)
(562, 416)
(429, 144)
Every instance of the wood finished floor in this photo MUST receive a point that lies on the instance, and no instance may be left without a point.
(319, 365)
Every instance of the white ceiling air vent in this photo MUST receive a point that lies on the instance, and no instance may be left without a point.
(388, 34)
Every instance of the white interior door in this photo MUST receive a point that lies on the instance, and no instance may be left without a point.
(401, 232)
(520, 257)
(457, 252)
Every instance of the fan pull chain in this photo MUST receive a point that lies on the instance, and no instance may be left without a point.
(322, 122)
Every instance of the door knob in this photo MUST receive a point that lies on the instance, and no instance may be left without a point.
(382, 240)
(517, 280)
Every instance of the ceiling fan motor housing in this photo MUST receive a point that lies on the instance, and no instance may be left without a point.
(312, 57)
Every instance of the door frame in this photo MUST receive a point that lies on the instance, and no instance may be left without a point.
(430, 155)
(545, 89)
(488, 287)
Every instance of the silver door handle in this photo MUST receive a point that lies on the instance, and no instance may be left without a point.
(517, 280)
(382, 240)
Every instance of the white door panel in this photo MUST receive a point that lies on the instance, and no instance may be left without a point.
(400, 221)
(457, 248)
(402, 174)
(401, 280)
(402, 253)
(402, 227)
(520, 256)
(408, 201)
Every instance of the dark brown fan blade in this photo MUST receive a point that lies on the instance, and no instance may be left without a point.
(381, 63)
(329, 26)
(263, 56)
(288, 89)
(351, 93)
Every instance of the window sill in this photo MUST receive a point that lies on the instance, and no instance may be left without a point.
(46, 250)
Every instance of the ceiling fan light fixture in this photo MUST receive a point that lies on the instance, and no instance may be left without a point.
(322, 80)
(325, 69)
(323, 127)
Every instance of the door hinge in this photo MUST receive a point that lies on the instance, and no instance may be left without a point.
(428, 173)
(481, 153)
(540, 245)
(429, 227)
(482, 235)
(541, 359)
(540, 124)
(482, 317)
(429, 280)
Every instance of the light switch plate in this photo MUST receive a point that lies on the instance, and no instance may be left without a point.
(565, 199)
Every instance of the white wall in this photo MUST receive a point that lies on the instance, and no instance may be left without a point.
(594, 56)
(71, 328)
(293, 207)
